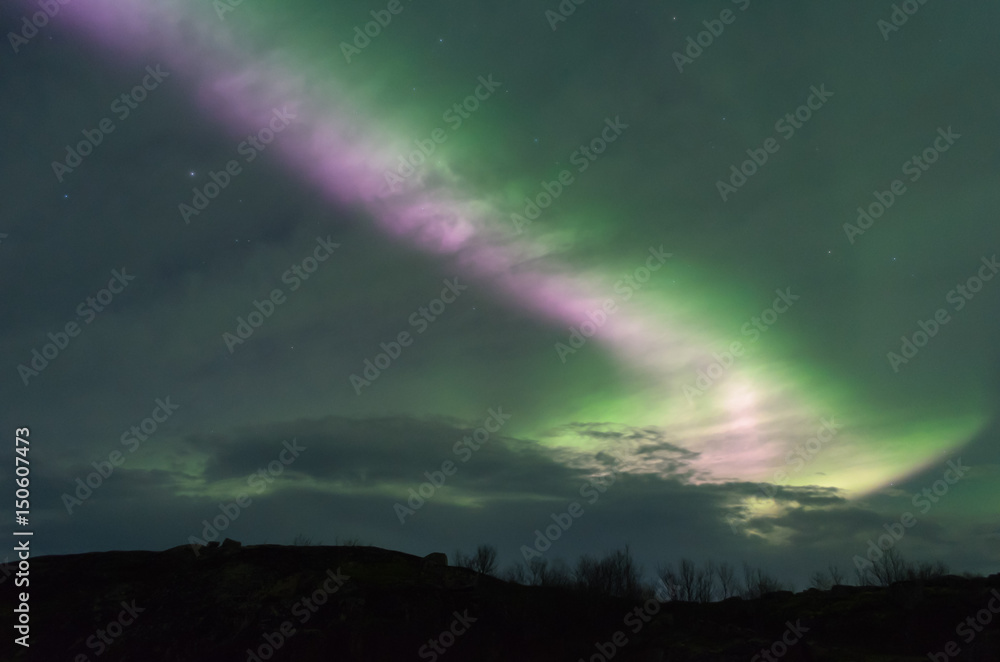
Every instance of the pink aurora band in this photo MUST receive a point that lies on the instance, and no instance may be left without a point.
(345, 157)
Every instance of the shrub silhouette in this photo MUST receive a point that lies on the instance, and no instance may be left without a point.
(891, 567)
(539, 572)
(615, 575)
(484, 560)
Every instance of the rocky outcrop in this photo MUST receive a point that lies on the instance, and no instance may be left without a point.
(436, 558)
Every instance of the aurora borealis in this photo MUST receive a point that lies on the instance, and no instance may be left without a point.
(688, 245)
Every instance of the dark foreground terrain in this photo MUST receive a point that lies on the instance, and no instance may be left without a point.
(271, 602)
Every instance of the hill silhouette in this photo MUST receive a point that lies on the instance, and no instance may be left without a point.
(354, 603)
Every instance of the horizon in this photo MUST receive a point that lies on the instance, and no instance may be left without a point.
(874, 569)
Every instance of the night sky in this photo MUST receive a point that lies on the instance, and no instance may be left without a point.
(737, 259)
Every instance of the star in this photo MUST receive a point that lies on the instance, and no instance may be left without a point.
(191, 173)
